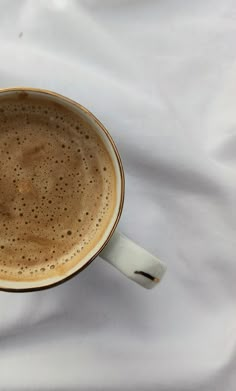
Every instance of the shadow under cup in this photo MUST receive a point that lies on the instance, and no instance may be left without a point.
(28, 96)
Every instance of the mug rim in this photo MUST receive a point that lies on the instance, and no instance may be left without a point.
(122, 179)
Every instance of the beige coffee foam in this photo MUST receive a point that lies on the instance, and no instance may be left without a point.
(57, 189)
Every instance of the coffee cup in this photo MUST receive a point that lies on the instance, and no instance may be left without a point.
(62, 193)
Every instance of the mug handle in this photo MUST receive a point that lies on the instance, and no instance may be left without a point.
(133, 261)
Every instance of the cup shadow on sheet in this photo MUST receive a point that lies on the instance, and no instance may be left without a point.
(100, 296)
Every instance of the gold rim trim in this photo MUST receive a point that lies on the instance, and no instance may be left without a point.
(122, 177)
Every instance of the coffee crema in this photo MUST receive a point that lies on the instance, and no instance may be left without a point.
(57, 188)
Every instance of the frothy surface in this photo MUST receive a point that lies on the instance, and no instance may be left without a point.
(57, 189)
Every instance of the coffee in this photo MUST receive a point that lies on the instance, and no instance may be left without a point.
(57, 188)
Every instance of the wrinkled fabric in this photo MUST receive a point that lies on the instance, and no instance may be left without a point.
(161, 76)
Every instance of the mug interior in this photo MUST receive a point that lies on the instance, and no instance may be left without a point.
(119, 178)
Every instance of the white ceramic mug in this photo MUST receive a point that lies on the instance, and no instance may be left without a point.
(132, 260)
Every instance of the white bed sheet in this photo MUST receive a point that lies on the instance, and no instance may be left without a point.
(161, 75)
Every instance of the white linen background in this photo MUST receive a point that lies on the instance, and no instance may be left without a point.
(161, 76)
